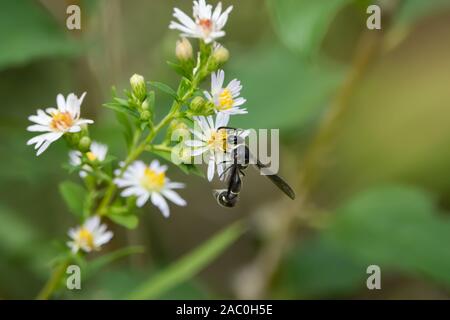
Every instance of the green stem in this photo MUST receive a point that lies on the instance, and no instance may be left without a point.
(137, 151)
(53, 281)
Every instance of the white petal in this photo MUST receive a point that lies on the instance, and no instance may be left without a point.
(187, 32)
(41, 118)
(92, 223)
(74, 129)
(51, 110)
(239, 101)
(184, 19)
(217, 12)
(199, 151)
(224, 17)
(220, 78)
(134, 190)
(211, 165)
(44, 147)
(61, 102)
(103, 238)
(222, 120)
(38, 128)
(73, 105)
(208, 96)
(198, 134)
(141, 200)
(175, 185)
(211, 122)
(39, 138)
(84, 121)
(216, 34)
(195, 143)
(161, 203)
(174, 197)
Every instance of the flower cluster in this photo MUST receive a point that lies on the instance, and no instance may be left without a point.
(116, 189)
(210, 139)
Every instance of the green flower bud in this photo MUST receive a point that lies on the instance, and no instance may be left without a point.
(146, 115)
(198, 104)
(145, 105)
(73, 139)
(183, 50)
(138, 86)
(85, 144)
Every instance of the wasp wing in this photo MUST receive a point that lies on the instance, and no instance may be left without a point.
(278, 181)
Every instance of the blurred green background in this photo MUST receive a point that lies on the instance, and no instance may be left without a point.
(373, 185)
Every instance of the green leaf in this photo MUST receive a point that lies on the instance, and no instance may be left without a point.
(129, 221)
(396, 227)
(28, 32)
(74, 195)
(124, 215)
(151, 100)
(122, 102)
(122, 108)
(303, 24)
(178, 69)
(127, 127)
(189, 265)
(164, 88)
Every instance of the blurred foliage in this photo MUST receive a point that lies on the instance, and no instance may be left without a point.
(395, 227)
(300, 107)
(303, 24)
(188, 266)
(392, 227)
(28, 32)
(394, 133)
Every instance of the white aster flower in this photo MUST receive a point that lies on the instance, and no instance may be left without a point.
(97, 152)
(225, 100)
(150, 182)
(90, 236)
(207, 24)
(211, 140)
(55, 122)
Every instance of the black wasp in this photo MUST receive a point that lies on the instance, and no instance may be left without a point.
(240, 160)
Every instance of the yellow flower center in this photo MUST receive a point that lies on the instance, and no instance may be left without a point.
(91, 156)
(218, 140)
(152, 180)
(61, 121)
(85, 237)
(225, 100)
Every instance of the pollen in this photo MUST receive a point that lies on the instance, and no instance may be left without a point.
(91, 156)
(152, 180)
(218, 140)
(61, 121)
(225, 100)
(85, 237)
